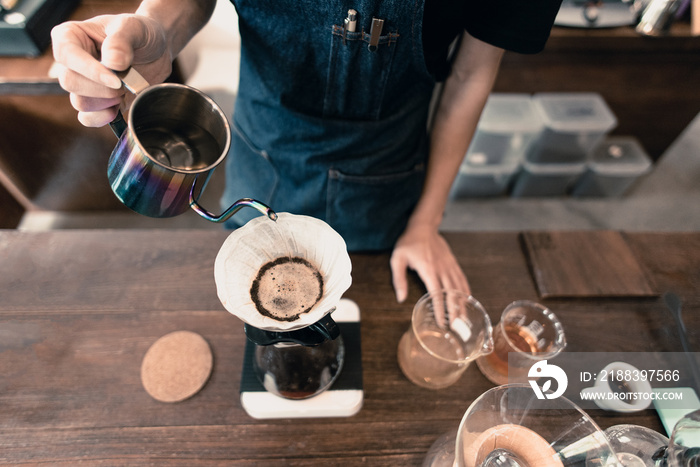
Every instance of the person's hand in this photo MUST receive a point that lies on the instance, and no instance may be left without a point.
(424, 250)
(87, 51)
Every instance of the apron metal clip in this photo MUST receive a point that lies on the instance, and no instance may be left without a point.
(374, 32)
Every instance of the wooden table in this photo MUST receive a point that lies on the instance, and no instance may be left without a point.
(78, 310)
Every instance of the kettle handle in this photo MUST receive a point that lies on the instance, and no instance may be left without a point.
(118, 125)
(134, 82)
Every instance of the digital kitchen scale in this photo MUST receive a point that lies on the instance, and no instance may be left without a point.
(343, 399)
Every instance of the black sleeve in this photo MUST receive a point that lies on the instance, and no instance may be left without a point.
(518, 25)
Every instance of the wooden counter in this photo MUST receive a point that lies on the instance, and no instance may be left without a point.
(79, 309)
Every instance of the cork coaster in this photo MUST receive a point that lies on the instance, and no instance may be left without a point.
(176, 366)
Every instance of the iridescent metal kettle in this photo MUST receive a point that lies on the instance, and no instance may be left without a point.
(174, 139)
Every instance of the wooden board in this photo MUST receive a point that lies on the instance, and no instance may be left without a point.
(585, 264)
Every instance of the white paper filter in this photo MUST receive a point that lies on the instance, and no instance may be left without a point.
(260, 241)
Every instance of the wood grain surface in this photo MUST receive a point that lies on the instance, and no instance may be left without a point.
(79, 309)
(585, 264)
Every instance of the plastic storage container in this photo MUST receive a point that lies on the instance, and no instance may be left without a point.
(555, 179)
(508, 126)
(613, 167)
(477, 179)
(574, 124)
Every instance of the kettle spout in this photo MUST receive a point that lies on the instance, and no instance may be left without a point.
(233, 209)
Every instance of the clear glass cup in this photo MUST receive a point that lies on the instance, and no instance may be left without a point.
(448, 330)
(527, 333)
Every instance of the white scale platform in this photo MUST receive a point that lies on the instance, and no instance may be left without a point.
(343, 399)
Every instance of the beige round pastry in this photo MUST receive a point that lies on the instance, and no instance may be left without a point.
(176, 366)
(523, 442)
(286, 288)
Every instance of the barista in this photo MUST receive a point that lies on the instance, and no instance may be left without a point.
(331, 116)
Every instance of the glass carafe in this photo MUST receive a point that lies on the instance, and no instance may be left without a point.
(508, 426)
(298, 364)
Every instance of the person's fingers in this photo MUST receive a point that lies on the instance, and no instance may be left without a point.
(443, 274)
(449, 279)
(457, 279)
(463, 282)
(88, 53)
(432, 259)
(434, 286)
(452, 278)
(399, 266)
(122, 37)
(455, 307)
(96, 112)
(132, 40)
(75, 50)
(78, 84)
(98, 118)
(430, 278)
(90, 104)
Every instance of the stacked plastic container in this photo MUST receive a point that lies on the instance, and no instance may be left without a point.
(507, 128)
(574, 125)
(613, 167)
(549, 144)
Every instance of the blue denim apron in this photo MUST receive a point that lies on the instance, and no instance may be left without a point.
(327, 126)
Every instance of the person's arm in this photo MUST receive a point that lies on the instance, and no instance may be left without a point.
(149, 39)
(464, 95)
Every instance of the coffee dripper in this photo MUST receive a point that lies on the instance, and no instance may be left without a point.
(300, 356)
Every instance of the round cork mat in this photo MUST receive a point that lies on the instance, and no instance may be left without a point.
(176, 366)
